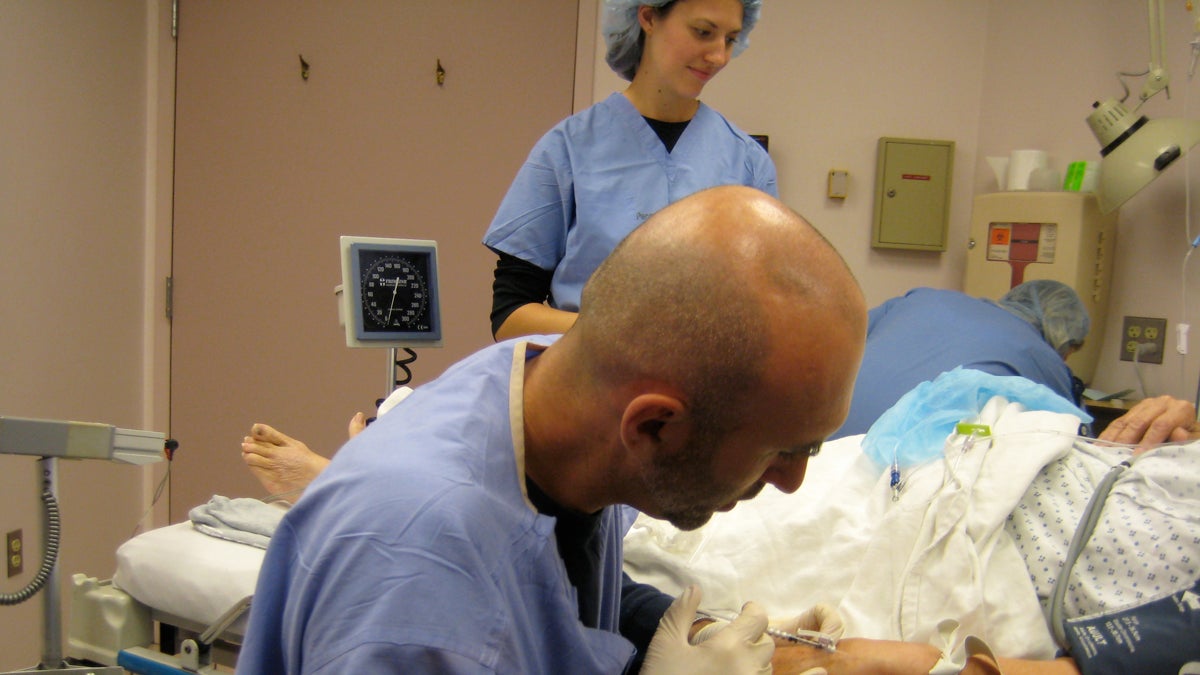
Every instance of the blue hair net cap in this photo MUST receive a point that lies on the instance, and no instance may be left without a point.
(915, 429)
(622, 32)
(1053, 308)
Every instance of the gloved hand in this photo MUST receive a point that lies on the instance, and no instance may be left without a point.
(821, 618)
(740, 648)
(708, 631)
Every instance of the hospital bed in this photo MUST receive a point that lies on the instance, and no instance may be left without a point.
(894, 563)
(185, 582)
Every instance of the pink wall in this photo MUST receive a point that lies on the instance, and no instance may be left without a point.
(827, 78)
(82, 335)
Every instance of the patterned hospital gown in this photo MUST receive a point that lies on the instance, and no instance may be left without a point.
(1146, 545)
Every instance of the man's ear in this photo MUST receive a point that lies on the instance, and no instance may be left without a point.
(646, 423)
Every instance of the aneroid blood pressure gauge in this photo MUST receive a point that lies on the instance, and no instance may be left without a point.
(390, 292)
(395, 293)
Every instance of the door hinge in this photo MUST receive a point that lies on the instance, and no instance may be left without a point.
(174, 18)
(170, 292)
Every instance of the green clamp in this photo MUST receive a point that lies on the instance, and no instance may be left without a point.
(966, 429)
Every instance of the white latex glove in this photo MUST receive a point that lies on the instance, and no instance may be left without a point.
(708, 631)
(740, 648)
(821, 618)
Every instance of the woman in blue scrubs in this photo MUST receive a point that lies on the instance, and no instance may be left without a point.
(597, 175)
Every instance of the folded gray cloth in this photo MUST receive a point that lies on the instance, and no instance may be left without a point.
(244, 520)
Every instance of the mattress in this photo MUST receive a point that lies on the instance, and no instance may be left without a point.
(187, 574)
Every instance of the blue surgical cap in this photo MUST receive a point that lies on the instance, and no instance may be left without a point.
(914, 430)
(622, 32)
(1053, 308)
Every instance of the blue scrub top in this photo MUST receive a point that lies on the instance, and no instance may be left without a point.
(417, 551)
(926, 332)
(597, 175)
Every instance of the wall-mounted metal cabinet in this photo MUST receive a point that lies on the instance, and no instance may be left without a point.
(912, 194)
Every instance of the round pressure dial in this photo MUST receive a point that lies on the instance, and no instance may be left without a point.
(395, 295)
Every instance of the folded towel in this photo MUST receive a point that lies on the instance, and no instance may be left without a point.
(244, 520)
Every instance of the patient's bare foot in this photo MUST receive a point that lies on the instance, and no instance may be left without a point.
(281, 463)
(357, 424)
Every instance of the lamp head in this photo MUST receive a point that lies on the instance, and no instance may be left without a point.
(1135, 149)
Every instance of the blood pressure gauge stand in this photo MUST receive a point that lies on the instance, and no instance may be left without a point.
(389, 298)
(51, 440)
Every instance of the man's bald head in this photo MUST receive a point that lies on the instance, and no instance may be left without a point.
(700, 294)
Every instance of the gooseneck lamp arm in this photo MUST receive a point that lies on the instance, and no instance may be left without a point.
(1157, 78)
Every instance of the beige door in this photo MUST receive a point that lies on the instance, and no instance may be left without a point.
(275, 159)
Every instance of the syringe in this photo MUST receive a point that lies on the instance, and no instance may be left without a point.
(808, 637)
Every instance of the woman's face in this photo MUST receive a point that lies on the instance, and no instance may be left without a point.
(690, 44)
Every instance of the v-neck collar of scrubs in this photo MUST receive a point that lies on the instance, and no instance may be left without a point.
(516, 409)
(648, 138)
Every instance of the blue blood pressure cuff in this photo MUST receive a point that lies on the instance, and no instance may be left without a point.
(1162, 636)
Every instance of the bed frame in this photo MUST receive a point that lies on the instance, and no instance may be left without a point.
(110, 627)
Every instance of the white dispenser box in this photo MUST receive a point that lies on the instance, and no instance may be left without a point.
(1021, 236)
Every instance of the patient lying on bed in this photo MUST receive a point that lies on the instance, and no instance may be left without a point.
(285, 465)
(828, 547)
(978, 535)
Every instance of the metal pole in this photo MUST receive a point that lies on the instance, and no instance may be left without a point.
(393, 357)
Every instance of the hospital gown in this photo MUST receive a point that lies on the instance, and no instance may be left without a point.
(916, 337)
(597, 175)
(418, 551)
(978, 536)
(1148, 535)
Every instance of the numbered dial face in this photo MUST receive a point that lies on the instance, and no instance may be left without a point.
(395, 293)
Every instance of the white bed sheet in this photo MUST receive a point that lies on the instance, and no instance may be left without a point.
(188, 574)
(893, 569)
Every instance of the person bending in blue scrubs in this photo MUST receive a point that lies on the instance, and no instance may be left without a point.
(476, 527)
(597, 175)
(916, 337)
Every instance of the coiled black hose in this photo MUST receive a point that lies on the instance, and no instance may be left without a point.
(402, 364)
(49, 556)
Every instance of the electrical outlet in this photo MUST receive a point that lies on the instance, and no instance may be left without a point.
(1145, 336)
(14, 551)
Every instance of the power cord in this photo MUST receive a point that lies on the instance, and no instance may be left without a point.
(49, 556)
(1142, 348)
(169, 448)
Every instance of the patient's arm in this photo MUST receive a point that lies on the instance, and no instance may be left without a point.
(1061, 666)
(860, 656)
(856, 656)
(1154, 420)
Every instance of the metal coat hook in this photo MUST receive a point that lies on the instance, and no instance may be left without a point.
(303, 68)
(441, 73)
